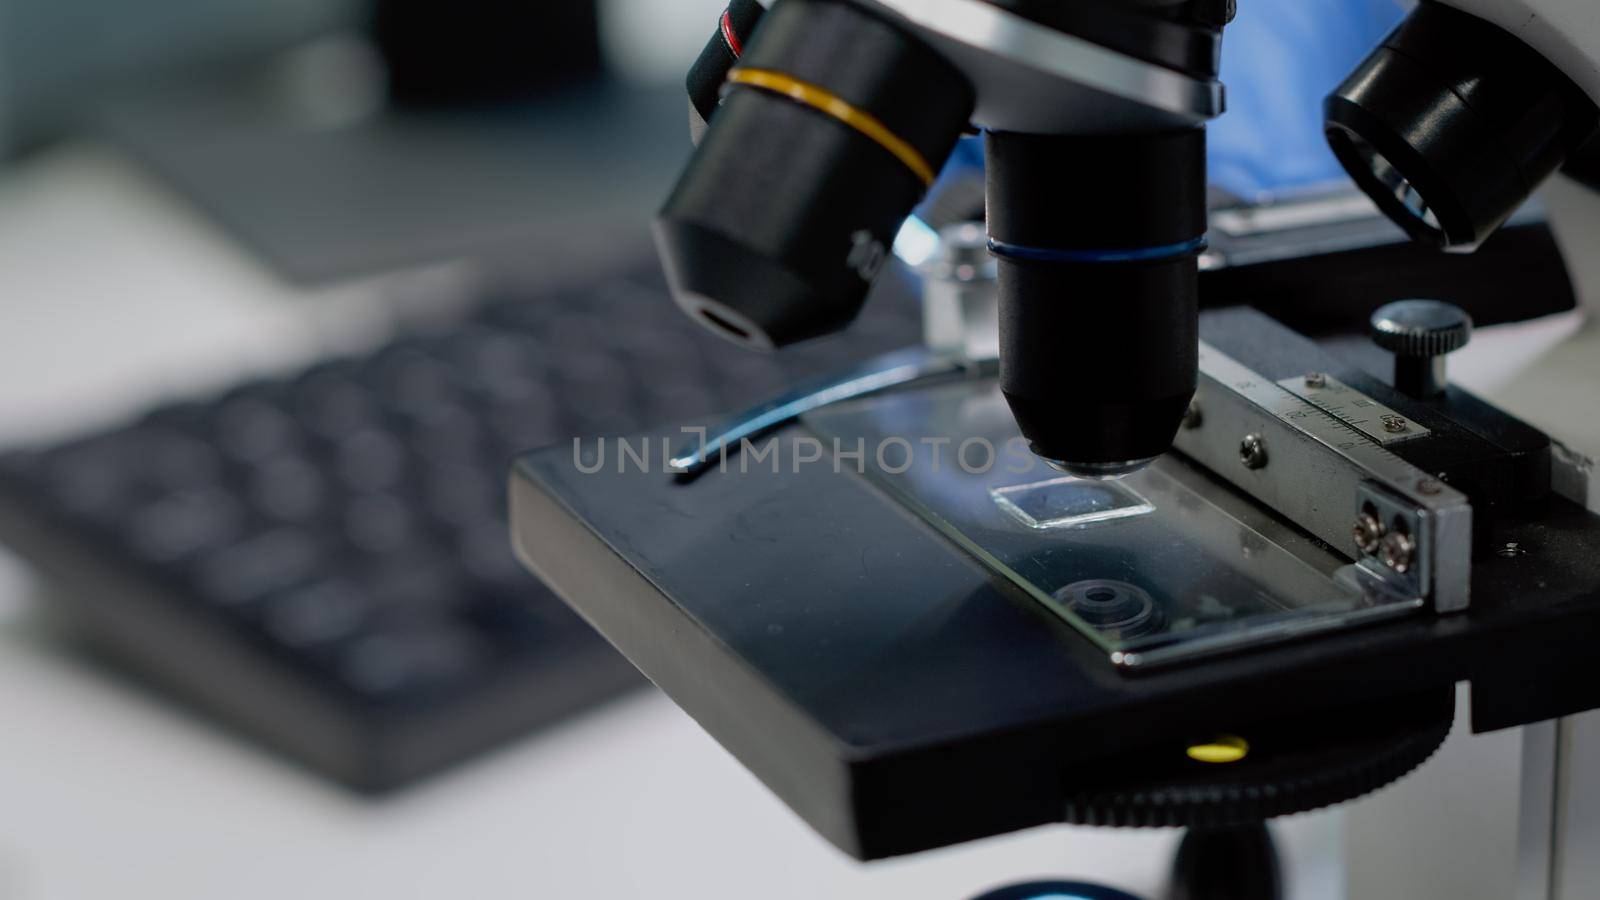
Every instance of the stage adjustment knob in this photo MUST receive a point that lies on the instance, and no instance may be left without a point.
(1420, 333)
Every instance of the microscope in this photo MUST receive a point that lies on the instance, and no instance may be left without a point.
(1250, 567)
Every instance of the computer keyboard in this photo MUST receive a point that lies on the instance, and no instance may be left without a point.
(321, 559)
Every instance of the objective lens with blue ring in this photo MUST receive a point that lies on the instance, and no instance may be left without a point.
(1097, 241)
(1108, 255)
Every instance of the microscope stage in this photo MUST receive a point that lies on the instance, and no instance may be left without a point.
(900, 694)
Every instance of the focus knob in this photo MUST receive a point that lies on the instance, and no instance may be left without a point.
(1420, 333)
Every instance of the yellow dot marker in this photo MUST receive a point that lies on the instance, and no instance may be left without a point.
(1225, 749)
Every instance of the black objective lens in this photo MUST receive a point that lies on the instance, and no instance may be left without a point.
(1097, 240)
(833, 127)
(1453, 122)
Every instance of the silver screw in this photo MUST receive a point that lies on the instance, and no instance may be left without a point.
(1398, 551)
(1394, 424)
(1192, 416)
(1429, 486)
(1316, 380)
(1253, 451)
(1367, 532)
(1512, 550)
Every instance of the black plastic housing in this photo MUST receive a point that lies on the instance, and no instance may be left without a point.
(1097, 240)
(1452, 123)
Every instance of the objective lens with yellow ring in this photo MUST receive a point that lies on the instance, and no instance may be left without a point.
(831, 104)
(832, 126)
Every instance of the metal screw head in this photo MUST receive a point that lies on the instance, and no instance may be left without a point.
(1192, 417)
(1253, 451)
(1316, 380)
(1394, 424)
(1398, 551)
(1367, 533)
(1512, 550)
(1430, 486)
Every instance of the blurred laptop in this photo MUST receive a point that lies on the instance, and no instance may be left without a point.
(336, 139)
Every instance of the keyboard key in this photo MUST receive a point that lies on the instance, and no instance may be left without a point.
(246, 572)
(333, 405)
(417, 578)
(318, 614)
(173, 460)
(393, 661)
(412, 382)
(486, 556)
(251, 430)
(460, 496)
(371, 460)
(377, 523)
(183, 524)
(289, 488)
(448, 434)
(94, 478)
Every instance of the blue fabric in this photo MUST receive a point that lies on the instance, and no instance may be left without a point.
(1280, 58)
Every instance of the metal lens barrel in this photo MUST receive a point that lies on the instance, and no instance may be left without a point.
(1098, 240)
(833, 125)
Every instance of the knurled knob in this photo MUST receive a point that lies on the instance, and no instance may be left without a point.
(1419, 333)
(1421, 328)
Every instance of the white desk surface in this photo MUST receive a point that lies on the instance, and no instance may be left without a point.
(111, 295)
